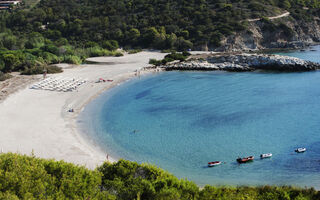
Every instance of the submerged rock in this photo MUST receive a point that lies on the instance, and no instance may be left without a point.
(245, 62)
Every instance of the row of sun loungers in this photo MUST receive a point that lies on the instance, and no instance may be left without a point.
(59, 84)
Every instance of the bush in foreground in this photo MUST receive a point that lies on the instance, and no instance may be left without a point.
(4, 76)
(27, 177)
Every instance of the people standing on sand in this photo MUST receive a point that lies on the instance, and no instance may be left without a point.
(107, 157)
(44, 74)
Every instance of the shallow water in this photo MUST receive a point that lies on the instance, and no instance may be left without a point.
(181, 120)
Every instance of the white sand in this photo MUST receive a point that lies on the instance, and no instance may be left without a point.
(38, 121)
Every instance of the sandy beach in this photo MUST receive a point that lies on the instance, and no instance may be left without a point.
(37, 120)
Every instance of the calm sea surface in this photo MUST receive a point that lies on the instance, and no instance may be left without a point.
(179, 121)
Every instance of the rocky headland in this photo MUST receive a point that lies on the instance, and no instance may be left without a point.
(275, 33)
(244, 62)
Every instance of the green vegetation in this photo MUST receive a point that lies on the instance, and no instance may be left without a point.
(170, 57)
(27, 177)
(24, 177)
(38, 58)
(38, 34)
(4, 76)
(133, 51)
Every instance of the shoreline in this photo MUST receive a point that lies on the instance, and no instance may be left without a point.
(116, 82)
(37, 120)
(91, 155)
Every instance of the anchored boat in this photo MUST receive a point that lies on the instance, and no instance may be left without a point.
(245, 160)
(300, 150)
(266, 155)
(215, 163)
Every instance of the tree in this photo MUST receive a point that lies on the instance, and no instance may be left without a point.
(285, 4)
(183, 44)
(110, 45)
(171, 41)
(36, 40)
(9, 41)
(10, 62)
(134, 35)
(149, 36)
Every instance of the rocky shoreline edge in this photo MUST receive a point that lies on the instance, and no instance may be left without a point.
(244, 62)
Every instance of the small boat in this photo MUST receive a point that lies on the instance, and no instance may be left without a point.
(215, 163)
(245, 160)
(300, 150)
(266, 155)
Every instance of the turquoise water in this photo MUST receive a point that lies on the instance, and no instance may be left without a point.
(185, 119)
(312, 54)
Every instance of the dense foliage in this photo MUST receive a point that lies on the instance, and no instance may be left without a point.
(24, 177)
(161, 24)
(43, 32)
(173, 56)
(27, 177)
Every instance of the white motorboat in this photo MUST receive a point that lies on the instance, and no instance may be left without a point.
(215, 163)
(300, 150)
(266, 155)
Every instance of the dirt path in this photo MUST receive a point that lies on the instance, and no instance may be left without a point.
(271, 18)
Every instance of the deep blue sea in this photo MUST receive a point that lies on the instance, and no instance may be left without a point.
(180, 121)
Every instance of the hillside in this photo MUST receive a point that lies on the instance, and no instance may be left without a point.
(27, 177)
(161, 24)
(63, 30)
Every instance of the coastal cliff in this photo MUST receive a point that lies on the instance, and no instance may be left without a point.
(285, 32)
(244, 62)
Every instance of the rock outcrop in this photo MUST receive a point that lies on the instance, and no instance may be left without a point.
(284, 33)
(245, 62)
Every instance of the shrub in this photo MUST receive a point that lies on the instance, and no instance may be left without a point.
(61, 42)
(10, 62)
(118, 54)
(66, 50)
(72, 59)
(96, 52)
(90, 44)
(170, 57)
(4, 77)
(52, 69)
(50, 58)
(146, 182)
(168, 51)
(37, 69)
(51, 48)
(133, 51)
(110, 45)
(155, 62)
(27, 177)
(177, 56)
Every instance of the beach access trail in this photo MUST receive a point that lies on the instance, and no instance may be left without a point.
(286, 14)
(37, 120)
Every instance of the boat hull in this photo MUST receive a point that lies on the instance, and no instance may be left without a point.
(300, 150)
(266, 155)
(213, 164)
(245, 160)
